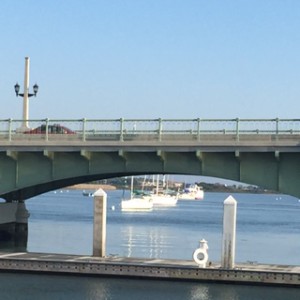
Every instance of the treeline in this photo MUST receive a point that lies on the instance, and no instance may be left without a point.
(138, 182)
(225, 188)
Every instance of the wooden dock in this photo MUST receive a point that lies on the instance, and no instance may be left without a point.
(158, 269)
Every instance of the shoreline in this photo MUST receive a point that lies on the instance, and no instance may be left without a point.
(87, 186)
(110, 187)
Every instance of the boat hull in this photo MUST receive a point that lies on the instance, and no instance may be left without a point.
(191, 196)
(164, 200)
(137, 204)
(192, 192)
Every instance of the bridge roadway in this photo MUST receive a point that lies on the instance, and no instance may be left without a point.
(179, 270)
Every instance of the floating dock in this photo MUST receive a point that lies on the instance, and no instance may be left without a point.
(157, 269)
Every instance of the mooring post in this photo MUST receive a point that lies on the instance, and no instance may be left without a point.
(99, 236)
(229, 232)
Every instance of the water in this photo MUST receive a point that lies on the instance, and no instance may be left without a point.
(44, 287)
(61, 222)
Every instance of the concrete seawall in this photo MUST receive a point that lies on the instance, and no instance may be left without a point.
(158, 269)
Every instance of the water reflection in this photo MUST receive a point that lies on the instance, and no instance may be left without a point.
(200, 292)
(154, 242)
(98, 289)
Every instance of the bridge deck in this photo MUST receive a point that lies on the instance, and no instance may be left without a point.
(223, 143)
(248, 273)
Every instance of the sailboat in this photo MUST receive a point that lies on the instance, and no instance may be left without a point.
(163, 197)
(136, 203)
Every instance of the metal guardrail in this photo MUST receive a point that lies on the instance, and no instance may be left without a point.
(145, 129)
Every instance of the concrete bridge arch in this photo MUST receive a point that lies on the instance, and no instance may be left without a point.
(25, 174)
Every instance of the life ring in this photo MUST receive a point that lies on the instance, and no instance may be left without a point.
(200, 256)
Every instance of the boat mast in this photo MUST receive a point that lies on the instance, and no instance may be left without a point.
(131, 188)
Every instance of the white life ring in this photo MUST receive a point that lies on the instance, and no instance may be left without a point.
(200, 256)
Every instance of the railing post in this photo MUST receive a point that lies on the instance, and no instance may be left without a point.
(47, 130)
(277, 129)
(121, 129)
(237, 129)
(9, 129)
(83, 129)
(198, 129)
(159, 129)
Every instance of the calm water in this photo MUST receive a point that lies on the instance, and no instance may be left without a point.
(61, 222)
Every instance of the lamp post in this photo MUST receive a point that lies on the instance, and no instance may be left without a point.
(26, 95)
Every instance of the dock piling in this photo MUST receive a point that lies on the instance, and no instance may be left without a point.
(99, 229)
(229, 233)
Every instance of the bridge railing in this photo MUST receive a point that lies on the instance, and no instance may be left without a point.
(149, 129)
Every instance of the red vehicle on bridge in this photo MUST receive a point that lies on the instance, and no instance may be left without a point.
(52, 129)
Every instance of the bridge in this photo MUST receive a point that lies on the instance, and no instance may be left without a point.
(59, 153)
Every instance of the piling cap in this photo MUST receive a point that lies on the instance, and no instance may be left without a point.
(203, 244)
(100, 193)
(230, 200)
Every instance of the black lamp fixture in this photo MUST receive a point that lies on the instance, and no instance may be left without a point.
(35, 90)
(17, 89)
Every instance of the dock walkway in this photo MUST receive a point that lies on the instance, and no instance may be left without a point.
(113, 266)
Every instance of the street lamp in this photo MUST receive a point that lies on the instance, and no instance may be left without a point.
(35, 90)
(26, 95)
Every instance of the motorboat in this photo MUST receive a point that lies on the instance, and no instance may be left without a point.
(87, 194)
(192, 192)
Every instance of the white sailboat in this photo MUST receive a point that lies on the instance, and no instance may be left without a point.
(141, 203)
(163, 198)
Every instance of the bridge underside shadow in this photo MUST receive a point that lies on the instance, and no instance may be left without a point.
(30, 173)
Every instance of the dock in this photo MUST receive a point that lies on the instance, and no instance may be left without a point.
(157, 269)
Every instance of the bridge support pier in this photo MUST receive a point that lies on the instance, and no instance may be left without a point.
(14, 225)
(21, 229)
(99, 230)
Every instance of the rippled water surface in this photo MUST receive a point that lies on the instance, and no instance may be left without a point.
(61, 222)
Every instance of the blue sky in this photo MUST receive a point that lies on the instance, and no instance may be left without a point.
(148, 59)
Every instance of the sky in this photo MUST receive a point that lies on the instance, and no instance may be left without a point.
(171, 59)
